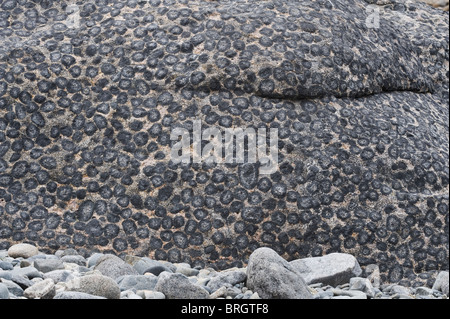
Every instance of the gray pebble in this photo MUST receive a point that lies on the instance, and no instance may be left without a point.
(75, 259)
(22, 250)
(44, 289)
(5, 275)
(5, 265)
(137, 282)
(178, 286)
(397, 289)
(68, 252)
(401, 296)
(22, 281)
(230, 278)
(4, 292)
(187, 271)
(129, 294)
(424, 291)
(342, 297)
(13, 288)
(146, 294)
(95, 284)
(76, 295)
(442, 282)
(114, 267)
(60, 275)
(92, 260)
(46, 265)
(362, 284)
(30, 272)
(325, 295)
(350, 293)
(147, 265)
(283, 281)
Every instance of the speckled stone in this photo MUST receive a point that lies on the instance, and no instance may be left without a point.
(333, 269)
(44, 289)
(22, 250)
(178, 286)
(358, 91)
(272, 277)
(97, 285)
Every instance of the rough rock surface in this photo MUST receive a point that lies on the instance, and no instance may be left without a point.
(4, 292)
(442, 282)
(272, 277)
(178, 286)
(333, 269)
(75, 295)
(441, 4)
(97, 285)
(358, 91)
(229, 278)
(139, 282)
(114, 267)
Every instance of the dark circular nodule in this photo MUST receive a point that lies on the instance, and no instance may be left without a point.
(248, 175)
(85, 210)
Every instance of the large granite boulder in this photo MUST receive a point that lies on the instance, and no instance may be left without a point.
(272, 277)
(94, 96)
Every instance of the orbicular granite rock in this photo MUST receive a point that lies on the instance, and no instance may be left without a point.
(93, 96)
(441, 4)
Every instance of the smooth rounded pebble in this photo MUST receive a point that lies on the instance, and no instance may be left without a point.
(22, 250)
(4, 292)
(44, 289)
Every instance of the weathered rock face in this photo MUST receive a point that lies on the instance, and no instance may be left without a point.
(272, 277)
(90, 94)
(334, 269)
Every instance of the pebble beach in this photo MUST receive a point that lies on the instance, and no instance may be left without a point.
(25, 273)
